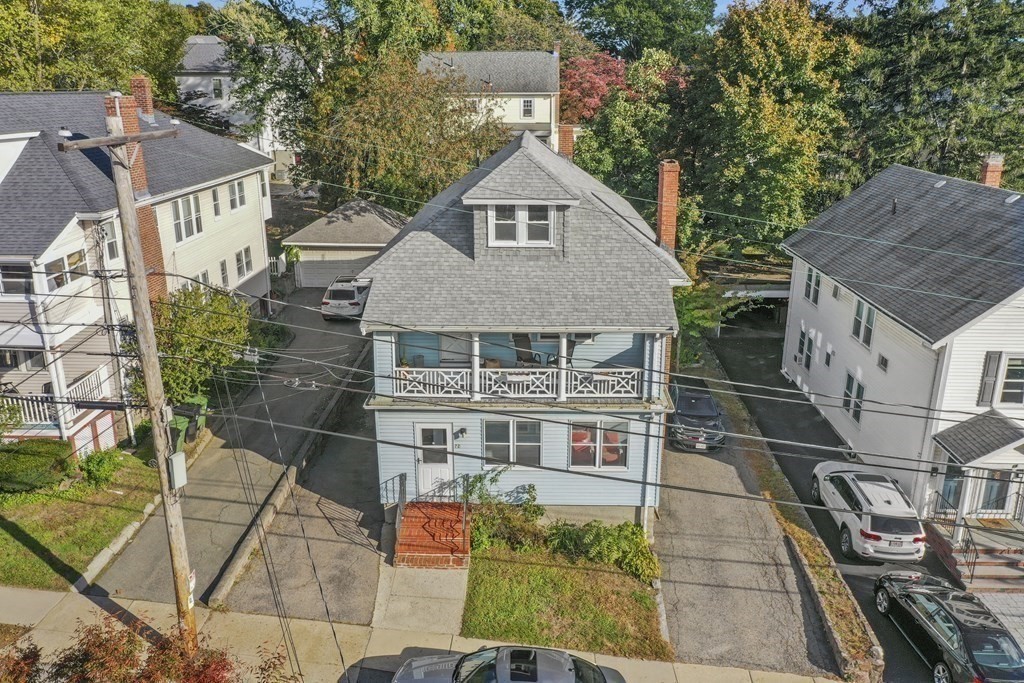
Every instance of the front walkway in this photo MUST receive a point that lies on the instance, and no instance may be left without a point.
(371, 655)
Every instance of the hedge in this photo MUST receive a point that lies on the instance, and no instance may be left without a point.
(34, 463)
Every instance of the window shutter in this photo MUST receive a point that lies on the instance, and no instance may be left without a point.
(988, 378)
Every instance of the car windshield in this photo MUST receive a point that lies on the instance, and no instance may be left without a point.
(697, 405)
(341, 294)
(995, 651)
(586, 672)
(896, 525)
(477, 667)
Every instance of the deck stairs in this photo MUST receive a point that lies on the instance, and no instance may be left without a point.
(993, 562)
(433, 535)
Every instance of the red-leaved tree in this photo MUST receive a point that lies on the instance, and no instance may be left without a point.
(586, 84)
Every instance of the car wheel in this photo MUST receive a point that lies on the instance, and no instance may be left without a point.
(941, 674)
(846, 543)
(882, 601)
(815, 491)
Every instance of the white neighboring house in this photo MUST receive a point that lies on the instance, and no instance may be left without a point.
(206, 68)
(202, 201)
(911, 292)
(343, 242)
(521, 88)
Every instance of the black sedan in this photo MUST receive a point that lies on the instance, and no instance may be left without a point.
(696, 424)
(952, 631)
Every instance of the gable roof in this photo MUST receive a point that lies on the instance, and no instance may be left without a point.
(45, 188)
(357, 222)
(607, 272)
(979, 436)
(952, 250)
(205, 54)
(528, 71)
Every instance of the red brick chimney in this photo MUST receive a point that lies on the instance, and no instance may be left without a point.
(566, 140)
(992, 169)
(668, 202)
(152, 251)
(142, 91)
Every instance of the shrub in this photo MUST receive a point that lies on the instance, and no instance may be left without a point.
(496, 521)
(22, 664)
(34, 463)
(100, 467)
(624, 546)
(143, 430)
(103, 652)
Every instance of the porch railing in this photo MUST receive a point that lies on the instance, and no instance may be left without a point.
(519, 382)
(526, 382)
(42, 409)
(36, 409)
(943, 514)
(1005, 507)
(432, 382)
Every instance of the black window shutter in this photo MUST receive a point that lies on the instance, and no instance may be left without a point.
(988, 378)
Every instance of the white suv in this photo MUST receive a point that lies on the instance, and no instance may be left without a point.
(344, 298)
(875, 518)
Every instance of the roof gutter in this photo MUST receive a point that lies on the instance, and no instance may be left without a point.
(289, 243)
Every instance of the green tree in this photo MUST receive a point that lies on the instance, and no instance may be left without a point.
(529, 25)
(940, 84)
(763, 117)
(628, 27)
(185, 323)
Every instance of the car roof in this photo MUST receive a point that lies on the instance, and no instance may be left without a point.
(965, 608)
(882, 494)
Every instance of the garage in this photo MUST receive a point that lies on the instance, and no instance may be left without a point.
(342, 242)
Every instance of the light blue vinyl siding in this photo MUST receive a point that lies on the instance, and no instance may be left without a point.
(383, 362)
(553, 488)
(608, 349)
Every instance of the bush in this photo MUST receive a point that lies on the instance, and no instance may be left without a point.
(34, 463)
(498, 522)
(100, 467)
(624, 546)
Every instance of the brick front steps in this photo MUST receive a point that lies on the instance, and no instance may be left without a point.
(432, 536)
(996, 570)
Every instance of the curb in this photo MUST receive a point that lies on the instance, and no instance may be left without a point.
(273, 503)
(662, 614)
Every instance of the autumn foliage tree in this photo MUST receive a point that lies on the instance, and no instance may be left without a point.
(587, 82)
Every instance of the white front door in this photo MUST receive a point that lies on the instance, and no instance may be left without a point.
(454, 351)
(434, 462)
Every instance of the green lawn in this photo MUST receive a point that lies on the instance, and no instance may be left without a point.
(538, 598)
(48, 538)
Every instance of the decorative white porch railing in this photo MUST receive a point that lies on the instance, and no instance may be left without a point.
(36, 409)
(41, 409)
(528, 382)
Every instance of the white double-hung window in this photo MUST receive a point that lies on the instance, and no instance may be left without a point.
(187, 221)
(513, 225)
(864, 323)
(236, 194)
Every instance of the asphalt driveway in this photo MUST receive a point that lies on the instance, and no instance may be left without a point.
(732, 597)
(757, 359)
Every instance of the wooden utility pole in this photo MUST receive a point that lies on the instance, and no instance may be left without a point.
(121, 148)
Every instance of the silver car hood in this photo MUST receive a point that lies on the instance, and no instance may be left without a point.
(432, 669)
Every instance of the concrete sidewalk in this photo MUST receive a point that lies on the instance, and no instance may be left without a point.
(371, 655)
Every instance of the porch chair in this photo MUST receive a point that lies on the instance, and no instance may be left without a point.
(570, 346)
(526, 357)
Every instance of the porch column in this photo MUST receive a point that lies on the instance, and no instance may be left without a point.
(59, 390)
(563, 352)
(475, 365)
(54, 367)
(966, 504)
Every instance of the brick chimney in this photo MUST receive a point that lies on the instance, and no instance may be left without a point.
(142, 91)
(992, 169)
(668, 202)
(566, 140)
(152, 251)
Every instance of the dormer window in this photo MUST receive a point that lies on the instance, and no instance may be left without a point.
(513, 225)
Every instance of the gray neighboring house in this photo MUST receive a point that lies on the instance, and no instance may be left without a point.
(521, 88)
(343, 242)
(521, 319)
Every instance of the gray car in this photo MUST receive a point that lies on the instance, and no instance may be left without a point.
(506, 665)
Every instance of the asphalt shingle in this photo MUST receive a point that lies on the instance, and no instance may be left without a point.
(931, 251)
(356, 222)
(979, 436)
(205, 54)
(500, 72)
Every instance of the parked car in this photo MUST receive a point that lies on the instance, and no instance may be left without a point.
(696, 424)
(875, 517)
(504, 665)
(953, 631)
(344, 298)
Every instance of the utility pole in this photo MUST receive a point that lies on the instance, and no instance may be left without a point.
(122, 149)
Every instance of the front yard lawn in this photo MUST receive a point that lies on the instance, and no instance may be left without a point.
(541, 598)
(48, 537)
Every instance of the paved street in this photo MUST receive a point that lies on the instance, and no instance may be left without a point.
(234, 474)
(757, 359)
(731, 595)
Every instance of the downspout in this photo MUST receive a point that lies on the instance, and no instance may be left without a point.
(921, 483)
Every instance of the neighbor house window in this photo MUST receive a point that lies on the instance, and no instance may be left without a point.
(203, 277)
(1013, 381)
(835, 291)
(61, 271)
(598, 444)
(527, 108)
(512, 226)
(187, 221)
(864, 323)
(20, 359)
(216, 202)
(236, 194)
(828, 358)
(809, 352)
(243, 262)
(263, 183)
(883, 363)
(224, 273)
(512, 442)
(812, 285)
(110, 246)
(15, 278)
(218, 89)
(853, 397)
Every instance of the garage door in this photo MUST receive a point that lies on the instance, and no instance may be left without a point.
(321, 273)
(105, 431)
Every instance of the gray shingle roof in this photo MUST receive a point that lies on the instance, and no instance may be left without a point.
(46, 188)
(605, 272)
(950, 252)
(356, 222)
(504, 72)
(205, 54)
(979, 436)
